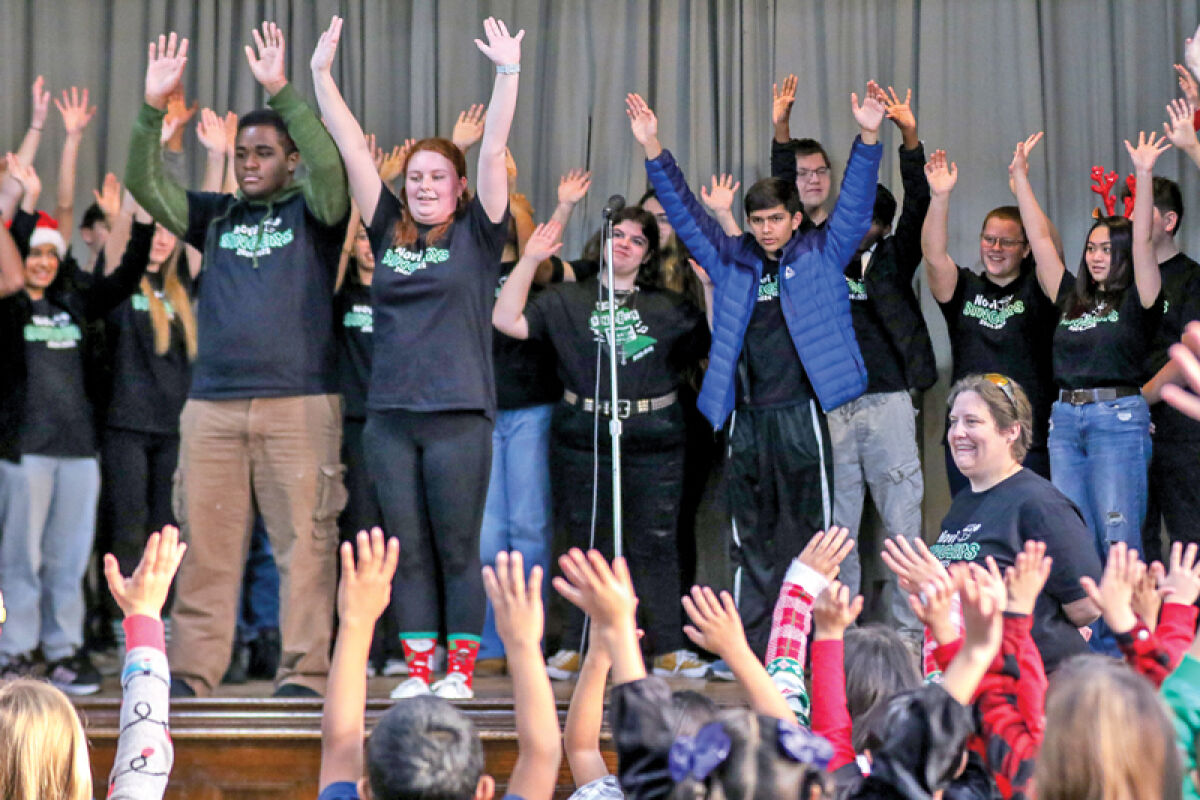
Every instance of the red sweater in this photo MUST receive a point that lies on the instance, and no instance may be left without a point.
(1156, 653)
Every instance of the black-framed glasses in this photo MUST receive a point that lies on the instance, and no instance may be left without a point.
(1002, 383)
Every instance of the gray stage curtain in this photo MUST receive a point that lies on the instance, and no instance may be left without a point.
(986, 74)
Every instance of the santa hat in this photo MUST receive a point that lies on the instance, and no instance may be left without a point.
(46, 232)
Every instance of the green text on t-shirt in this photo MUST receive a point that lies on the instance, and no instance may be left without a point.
(993, 314)
(632, 333)
(406, 262)
(253, 241)
(57, 332)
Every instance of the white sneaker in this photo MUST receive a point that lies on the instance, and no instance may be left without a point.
(410, 688)
(680, 664)
(452, 687)
(564, 665)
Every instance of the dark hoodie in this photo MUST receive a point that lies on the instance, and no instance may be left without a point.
(264, 316)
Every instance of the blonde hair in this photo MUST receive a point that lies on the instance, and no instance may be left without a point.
(43, 751)
(180, 302)
(1108, 736)
(1008, 408)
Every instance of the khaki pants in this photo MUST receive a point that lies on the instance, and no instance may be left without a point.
(281, 456)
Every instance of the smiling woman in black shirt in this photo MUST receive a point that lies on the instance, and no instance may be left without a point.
(660, 334)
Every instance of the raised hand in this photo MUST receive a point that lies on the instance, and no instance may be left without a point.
(366, 586)
(1184, 356)
(167, 58)
(145, 591)
(912, 562)
(602, 592)
(720, 197)
(231, 130)
(517, 602)
(940, 174)
(468, 128)
(544, 241)
(642, 121)
(41, 104)
(501, 48)
(835, 611)
(1147, 598)
(573, 186)
(109, 197)
(390, 166)
(178, 111)
(900, 113)
(1025, 579)
(1191, 52)
(210, 130)
(868, 115)
(783, 99)
(405, 149)
(932, 607)
(1019, 166)
(1188, 85)
(267, 65)
(1179, 128)
(26, 176)
(826, 551)
(1181, 584)
(1149, 147)
(716, 626)
(323, 53)
(1123, 571)
(983, 604)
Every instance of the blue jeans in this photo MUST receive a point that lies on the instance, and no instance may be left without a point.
(1099, 458)
(519, 509)
(49, 524)
(259, 607)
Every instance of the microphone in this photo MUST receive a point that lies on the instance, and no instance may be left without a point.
(614, 204)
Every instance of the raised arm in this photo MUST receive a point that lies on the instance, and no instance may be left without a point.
(491, 180)
(783, 158)
(325, 190)
(851, 217)
(363, 594)
(983, 602)
(1050, 267)
(37, 121)
(210, 130)
(907, 236)
(12, 267)
(1146, 275)
(1180, 128)
(581, 734)
(120, 220)
(343, 127)
(145, 178)
(21, 185)
(719, 201)
(508, 314)
(572, 187)
(941, 175)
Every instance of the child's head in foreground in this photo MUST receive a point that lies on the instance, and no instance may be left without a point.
(43, 751)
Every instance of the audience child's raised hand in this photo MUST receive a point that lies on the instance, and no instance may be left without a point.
(41, 104)
(719, 198)
(516, 601)
(868, 115)
(826, 551)
(606, 595)
(983, 603)
(912, 562)
(932, 606)
(1025, 579)
(468, 128)
(267, 65)
(164, 68)
(1114, 595)
(366, 584)
(644, 124)
(1147, 596)
(940, 174)
(716, 626)
(835, 611)
(145, 591)
(1181, 584)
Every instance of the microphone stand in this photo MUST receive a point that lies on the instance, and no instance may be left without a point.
(614, 420)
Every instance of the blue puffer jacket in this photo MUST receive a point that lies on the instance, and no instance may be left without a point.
(812, 290)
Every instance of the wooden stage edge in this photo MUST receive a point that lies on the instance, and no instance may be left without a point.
(243, 744)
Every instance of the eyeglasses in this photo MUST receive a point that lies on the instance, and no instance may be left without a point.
(1007, 244)
(1003, 384)
(805, 174)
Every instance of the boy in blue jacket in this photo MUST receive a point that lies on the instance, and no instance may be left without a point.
(783, 350)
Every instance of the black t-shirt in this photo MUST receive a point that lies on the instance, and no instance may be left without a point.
(355, 332)
(660, 334)
(997, 523)
(433, 313)
(885, 366)
(1005, 329)
(774, 374)
(1107, 345)
(527, 369)
(58, 415)
(149, 389)
(1181, 305)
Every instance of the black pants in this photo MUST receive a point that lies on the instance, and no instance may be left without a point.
(780, 479)
(136, 474)
(1174, 495)
(652, 455)
(431, 473)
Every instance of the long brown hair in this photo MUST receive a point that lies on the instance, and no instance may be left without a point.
(178, 297)
(405, 232)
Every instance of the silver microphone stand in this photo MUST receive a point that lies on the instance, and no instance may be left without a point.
(614, 420)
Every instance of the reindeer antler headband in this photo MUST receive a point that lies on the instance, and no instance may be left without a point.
(1102, 184)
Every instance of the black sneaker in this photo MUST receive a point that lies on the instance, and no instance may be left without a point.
(19, 666)
(295, 690)
(74, 675)
(265, 650)
(238, 663)
(180, 689)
